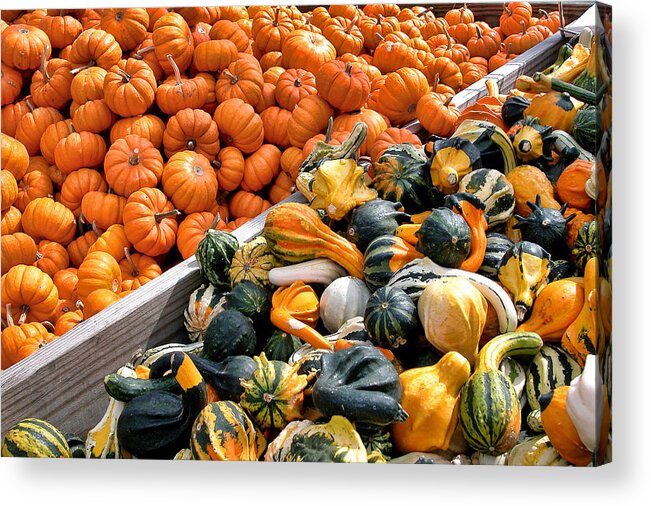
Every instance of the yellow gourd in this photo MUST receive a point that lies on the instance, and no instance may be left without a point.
(453, 314)
(431, 397)
(556, 306)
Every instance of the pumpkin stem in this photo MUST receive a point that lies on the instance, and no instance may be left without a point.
(507, 10)
(48, 325)
(125, 77)
(349, 68)
(10, 319)
(437, 79)
(508, 51)
(276, 13)
(449, 39)
(46, 76)
(544, 13)
(479, 35)
(351, 24)
(191, 144)
(524, 28)
(94, 228)
(328, 134)
(379, 36)
(83, 67)
(30, 106)
(175, 67)
(23, 314)
(161, 216)
(139, 55)
(447, 102)
(379, 19)
(134, 268)
(233, 78)
(216, 219)
(134, 159)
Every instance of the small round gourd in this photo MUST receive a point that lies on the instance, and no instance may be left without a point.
(252, 262)
(494, 190)
(223, 431)
(391, 318)
(32, 437)
(281, 346)
(250, 299)
(214, 254)
(342, 300)
(383, 257)
(551, 367)
(444, 237)
(230, 333)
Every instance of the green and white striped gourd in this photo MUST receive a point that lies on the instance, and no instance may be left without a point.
(494, 190)
(550, 368)
(205, 303)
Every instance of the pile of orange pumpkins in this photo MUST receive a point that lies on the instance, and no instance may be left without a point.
(127, 133)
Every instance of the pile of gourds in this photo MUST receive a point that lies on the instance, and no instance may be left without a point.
(128, 133)
(444, 304)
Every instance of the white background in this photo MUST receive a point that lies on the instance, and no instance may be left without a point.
(626, 481)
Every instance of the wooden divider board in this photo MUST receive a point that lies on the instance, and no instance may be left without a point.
(63, 382)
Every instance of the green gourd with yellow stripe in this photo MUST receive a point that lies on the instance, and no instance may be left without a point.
(214, 255)
(35, 438)
(489, 413)
(223, 431)
(384, 257)
(252, 262)
(273, 395)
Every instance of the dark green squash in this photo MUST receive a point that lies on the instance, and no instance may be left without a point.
(373, 219)
(361, 384)
(281, 346)
(444, 237)
(230, 333)
(586, 128)
(250, 299)
(125, 389)
(383, 257)
(223, 431)
(559, 269)
(546, 227)
(391, 319)
(496, 247)
(273, 395)
(35, 438)
(513, 109)
(494, 190)
(402, 175)
(587, 244)
(226, 376)
(214, 255)
(157, 425)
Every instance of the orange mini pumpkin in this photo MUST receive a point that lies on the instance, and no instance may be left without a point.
(137, 270)
(30, 293)
(261, 168)
(23, 46)
(67, 322)
(51, 83)
(66, 282)
(189, 181)
(172, 36)
(191, 130)
(112, 241)
(79, 149)
(51, 257)
(78, 184)
(46, 219)
(94, 48)
(132, 163)
(239, 125)
(98, 300)
(129, 87)
(17, 249)
(103, 209)
(128, 26)
(150, 222)
(149, 126)
(98, 270)
(244, 204)
(20, 341)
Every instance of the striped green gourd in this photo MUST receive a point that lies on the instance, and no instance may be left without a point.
(494, 190)
(586, 128)
(35, 438)
(496, 247)
(383, 257)
(214, 255)
(551, 367)
(391, 318)
(489, 412)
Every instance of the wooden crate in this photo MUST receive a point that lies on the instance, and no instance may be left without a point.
(63, 382)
